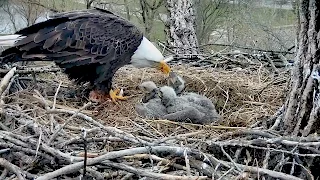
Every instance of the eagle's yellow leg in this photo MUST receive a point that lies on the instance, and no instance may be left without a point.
(100, 96)
(114, 95)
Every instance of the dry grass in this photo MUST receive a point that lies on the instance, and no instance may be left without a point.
(242, 97)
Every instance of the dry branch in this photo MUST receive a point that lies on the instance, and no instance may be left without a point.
(142, 172)
(32, 70)
(11, 167)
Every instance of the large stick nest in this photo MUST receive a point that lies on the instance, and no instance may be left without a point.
(42, 130)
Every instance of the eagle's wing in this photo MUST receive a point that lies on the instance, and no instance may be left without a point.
(80, 38)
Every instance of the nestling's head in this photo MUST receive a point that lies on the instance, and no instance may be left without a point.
(176, 82)
(148, 86)
(147, 55)
(167, 93)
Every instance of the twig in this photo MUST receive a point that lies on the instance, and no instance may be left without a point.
(230, 159)
(128, 176)
(84, 137)
(112, 130)
(97, 175)
(186, 159)
(243, 143)
(52, 120)
(4, 174)
(11, 167)
(26, 150)
(156, 158)
(55, 96)
(226, 173)
(266, 159)
(55, 134)
(197, 125)
(4, 151)
(48, 103)
(142, 172)
(112, 155)
(4, 84)
(248, 48)
(6, 79)
(272, 64)
(5, 92)
(32, 70)
(38, 144)
(262, 171)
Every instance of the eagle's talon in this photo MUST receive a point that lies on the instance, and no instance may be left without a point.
(114, 95)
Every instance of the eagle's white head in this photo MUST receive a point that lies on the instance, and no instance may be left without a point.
(147, 55)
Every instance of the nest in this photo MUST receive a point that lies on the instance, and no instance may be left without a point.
(45, 134)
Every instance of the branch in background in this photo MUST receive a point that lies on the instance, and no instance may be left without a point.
(248, 48)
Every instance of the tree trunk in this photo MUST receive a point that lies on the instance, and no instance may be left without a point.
(301, 115)
(180, 27)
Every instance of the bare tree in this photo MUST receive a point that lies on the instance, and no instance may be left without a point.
(180, 27)
(209, 15)
(24, 10)
(149, 10)
(89, 3)
(302, 107)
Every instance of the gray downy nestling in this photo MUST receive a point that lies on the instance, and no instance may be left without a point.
(179, 109)
(203, 103)
(152, 106)
(192, 107)
(150, 89)
(176, 82)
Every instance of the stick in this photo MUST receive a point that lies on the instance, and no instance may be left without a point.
(32, 70)
(152, 175)
(186, 159)
(156, 158)
(230, 159)
(6, 79)
(4, 84)
(112, 130)
(248, 48)
(112, 155)
(272, 64)
(262, 171)
(84, 136)
(11, 167)
(55, 134)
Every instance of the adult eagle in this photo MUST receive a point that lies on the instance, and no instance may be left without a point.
(89, 45)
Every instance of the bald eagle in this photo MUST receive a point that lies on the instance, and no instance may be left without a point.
(89, 45)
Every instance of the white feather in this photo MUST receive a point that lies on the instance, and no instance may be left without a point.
(146, 54)
(10, 40)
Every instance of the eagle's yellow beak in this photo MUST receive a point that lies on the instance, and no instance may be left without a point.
(164, 67)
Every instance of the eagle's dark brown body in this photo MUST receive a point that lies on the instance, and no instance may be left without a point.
(90, 45)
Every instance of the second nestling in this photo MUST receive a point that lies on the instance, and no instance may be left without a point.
(168, 102)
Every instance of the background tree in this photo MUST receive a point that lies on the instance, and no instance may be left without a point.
(149, 10)
(210, 14)
(23, 13)
(302, 108)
